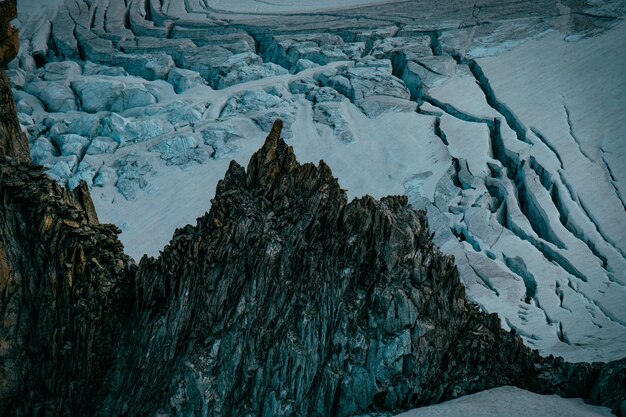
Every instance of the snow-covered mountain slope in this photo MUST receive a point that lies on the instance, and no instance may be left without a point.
(504, 120)
(512, 402)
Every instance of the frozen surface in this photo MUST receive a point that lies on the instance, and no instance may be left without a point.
(511, 402)
(510, 131)
(286, 6)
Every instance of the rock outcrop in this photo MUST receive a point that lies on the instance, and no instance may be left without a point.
(284, 299)
(9, 39)
(13, 142)
(65, 290)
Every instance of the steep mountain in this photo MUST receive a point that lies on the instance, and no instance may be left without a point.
(501, 119)
(284, 299)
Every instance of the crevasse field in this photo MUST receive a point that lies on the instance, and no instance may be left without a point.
(503, 120)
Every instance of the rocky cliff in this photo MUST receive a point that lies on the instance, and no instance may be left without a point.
(64, 287)
(9, 39)
(13, 142)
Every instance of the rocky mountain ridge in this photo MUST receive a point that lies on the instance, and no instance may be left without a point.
(486, 116)
(284, 300)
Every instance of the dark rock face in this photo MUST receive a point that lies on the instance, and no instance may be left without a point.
(64, 285)
(9, 38)
(14, 142)
(284, 300)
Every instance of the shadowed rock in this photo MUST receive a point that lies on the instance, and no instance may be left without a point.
(9, 39)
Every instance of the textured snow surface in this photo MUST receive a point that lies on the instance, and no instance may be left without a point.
(510, 402)
(282, 6)
(505, 122)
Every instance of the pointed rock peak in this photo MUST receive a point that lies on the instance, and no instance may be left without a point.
(274, 168)
(274, 136)
(275, 175)
(274, 157)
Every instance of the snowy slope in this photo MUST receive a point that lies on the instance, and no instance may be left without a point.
(511, 402)
(509, 131)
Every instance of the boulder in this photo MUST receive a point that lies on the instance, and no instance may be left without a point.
(319, 48)
(129, 130)
(366, 81)
(131, 171)
(302, 85)
(376, 105)
(160, 89)
(61, 168)
(407, 48)
(251, 101)
(104, 176)
(71, 144)
(85, 173)
(27, 103)
(18, 77)
(323, 94)
(303, 64)
(331, 113)
(221, 139)
(101, 145)
(251, 73)
(266, 119)
(85, 125)
(182, 114)
(206, 60)
(42, 149)
(96, 69)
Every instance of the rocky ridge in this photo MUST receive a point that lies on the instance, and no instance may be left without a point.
(140, 99)
(284, 299)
